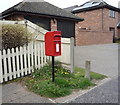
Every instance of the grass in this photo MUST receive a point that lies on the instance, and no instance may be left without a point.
(118, 42)
(81, 72)
(40, 81)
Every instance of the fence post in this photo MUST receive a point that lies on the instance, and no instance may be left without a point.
(18, 65)
(72, 54)
(87, 71)
(28, 59)
(25, 59)
(32, 54)
(5, 65)
(1, 72)
(35, 53)
(38, 48)
(13, 61)
(9, 64)
(42, 53)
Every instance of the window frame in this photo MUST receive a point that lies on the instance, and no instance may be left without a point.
(112, 13)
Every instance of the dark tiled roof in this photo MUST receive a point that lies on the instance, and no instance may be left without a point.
(41, 8)
(91, 5)
(69, 9)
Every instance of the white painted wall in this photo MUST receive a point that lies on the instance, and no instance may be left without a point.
(65, 50)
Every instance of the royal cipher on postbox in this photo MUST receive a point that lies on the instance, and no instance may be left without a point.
(53, 43)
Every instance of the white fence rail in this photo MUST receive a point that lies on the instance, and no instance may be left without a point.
(19, 62)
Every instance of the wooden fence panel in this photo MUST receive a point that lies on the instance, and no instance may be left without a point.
(19, 62)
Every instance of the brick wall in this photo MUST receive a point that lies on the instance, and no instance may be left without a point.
(95, 28)
(110, 22)
(76, 33)
(119, 29)
(93, 37)
(119, 33)
(119, 16)
(15, 17)
(92, 19)
(53, 25)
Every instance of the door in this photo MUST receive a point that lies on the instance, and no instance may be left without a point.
(112, 29)
(66, 27)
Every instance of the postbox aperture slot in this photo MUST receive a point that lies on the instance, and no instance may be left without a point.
(57, 36)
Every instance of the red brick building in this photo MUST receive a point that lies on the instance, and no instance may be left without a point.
(99, 25)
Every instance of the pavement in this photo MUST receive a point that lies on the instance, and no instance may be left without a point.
(16, 93)
(101, 56)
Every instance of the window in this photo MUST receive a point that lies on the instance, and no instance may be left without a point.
(112, 13)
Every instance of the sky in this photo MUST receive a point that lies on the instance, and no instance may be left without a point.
(5, 4)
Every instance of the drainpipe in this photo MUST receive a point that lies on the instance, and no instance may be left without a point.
(102, 19)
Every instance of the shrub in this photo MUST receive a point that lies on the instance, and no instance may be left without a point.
(14, 36)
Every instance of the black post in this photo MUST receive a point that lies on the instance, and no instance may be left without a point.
(53, 71)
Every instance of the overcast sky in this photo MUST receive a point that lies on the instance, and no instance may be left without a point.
(5, 4)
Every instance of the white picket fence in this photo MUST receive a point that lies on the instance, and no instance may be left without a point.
(18, 62)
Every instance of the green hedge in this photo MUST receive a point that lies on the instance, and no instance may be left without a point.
(14, 36)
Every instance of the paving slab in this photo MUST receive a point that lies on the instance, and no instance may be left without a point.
(16, 93)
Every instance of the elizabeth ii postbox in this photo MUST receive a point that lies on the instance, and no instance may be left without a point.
(53, 43)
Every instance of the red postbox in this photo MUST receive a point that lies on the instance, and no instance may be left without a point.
(53, 43)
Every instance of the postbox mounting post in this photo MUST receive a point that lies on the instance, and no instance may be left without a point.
(53, 70)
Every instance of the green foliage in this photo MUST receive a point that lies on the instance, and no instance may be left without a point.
(117, 41)
(93, 75)
(14, 36)
(62, 82)
(40, 82)
(96, 76)
(50, 89)
(81, 83)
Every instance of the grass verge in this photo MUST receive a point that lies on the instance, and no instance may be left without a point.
(40, 81)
